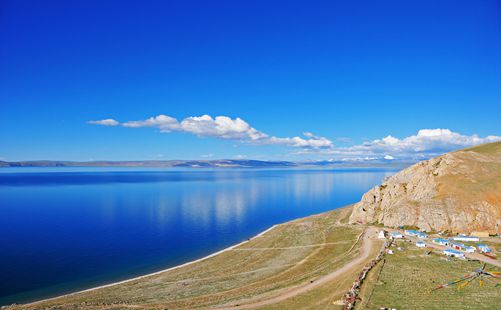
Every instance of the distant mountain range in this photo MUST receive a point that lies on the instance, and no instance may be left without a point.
(221, 163)
(151, 163)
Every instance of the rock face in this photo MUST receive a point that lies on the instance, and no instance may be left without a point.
(458, 192)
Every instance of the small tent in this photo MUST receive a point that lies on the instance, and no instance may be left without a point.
(382, 234)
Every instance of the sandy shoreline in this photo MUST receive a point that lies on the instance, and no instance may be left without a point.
(154, 273)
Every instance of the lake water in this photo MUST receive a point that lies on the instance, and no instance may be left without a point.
(63, 230)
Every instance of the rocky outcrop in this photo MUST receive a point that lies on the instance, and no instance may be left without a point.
(458, 192)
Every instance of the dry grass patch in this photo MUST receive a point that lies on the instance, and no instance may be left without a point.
(406, 279)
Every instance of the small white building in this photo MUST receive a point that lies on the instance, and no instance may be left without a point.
(466, 238)
(416, 233)
(422, 235)
(420, 244)
(454, 253)
(411, 232)
(441, 241)
(382, 234)
(396, 235)
(462, 247)
(470, 249)
(457, 246)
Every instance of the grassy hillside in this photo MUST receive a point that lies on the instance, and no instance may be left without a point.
(474, 178)
(488, 149)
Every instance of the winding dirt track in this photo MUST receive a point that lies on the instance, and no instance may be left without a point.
(365, 250)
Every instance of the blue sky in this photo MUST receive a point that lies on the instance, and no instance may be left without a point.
(349, 73)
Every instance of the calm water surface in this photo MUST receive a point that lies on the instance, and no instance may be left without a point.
(63, 230)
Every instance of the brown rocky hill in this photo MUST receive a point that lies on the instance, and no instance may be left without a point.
(459, 192)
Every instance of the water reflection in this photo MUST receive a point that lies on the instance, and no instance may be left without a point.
(67, 231)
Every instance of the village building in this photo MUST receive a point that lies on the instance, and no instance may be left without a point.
(422, 235)
(457, 246)
(470, 249)
(416, 233)
(454, 253)
(462, 247)
(441, 241)
(411, 232)
(396, 235)
(420, 244)
(484, 248)
(466, 238)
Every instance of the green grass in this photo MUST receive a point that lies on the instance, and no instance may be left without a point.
(489, 148)
(407, 277)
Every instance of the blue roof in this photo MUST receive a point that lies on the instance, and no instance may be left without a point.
(453, 251)
(440, 240)
(413, 232)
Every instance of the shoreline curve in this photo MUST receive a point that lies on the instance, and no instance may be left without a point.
(150, 274)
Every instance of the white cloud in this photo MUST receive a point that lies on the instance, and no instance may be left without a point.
(425, 144)
(426, 141)
(315, 143)
(222, 127)
(105, 122)
(164, 122)
(359, 159)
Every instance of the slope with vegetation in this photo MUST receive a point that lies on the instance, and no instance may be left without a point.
(458, 192)
(406, 279)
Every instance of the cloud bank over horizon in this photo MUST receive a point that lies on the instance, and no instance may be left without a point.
(221, 127)
(426, 143)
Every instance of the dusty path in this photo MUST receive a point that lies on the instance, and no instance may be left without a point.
(367, 244)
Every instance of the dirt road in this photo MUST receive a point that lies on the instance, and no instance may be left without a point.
(367, 239)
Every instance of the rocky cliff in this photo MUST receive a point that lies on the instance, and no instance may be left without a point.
(458, 192)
